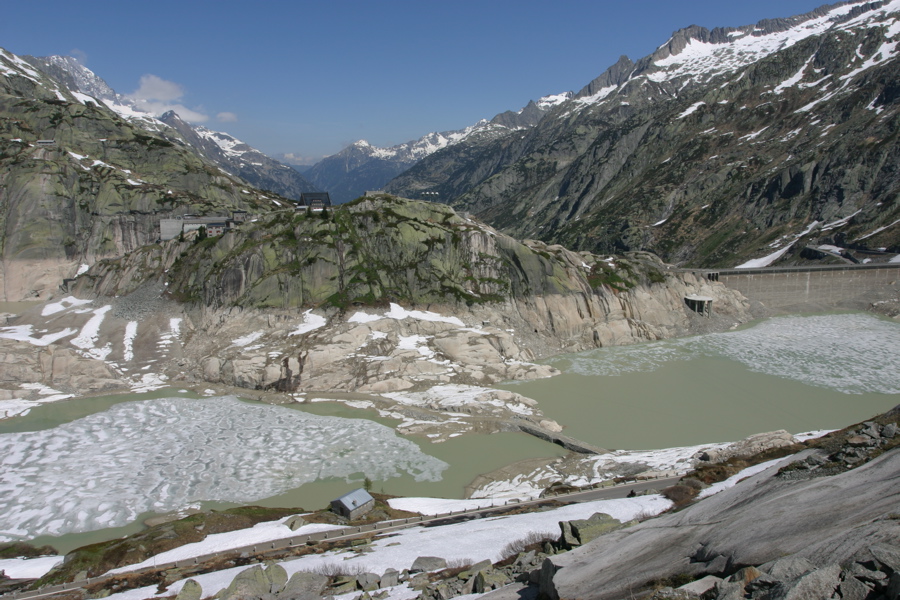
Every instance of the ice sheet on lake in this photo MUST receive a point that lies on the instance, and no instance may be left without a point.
(159, 455)
(850, 353)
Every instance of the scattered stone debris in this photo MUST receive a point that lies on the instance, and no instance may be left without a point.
(859, 446)
(793, 577)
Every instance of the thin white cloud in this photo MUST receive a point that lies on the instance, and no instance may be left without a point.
(157, 88)
(296, 159)
(156, 96)
(79, 55)
(227, 117)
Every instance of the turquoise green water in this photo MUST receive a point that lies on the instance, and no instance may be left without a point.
(686, 403)
(797, 373)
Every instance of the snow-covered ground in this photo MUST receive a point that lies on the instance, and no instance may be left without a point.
(444, 397)
(483, 539)
(399, 313)
(20, 406)
(220, 542)
(28, 568)
(470, 541)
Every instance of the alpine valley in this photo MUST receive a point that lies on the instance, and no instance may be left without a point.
(210, 343)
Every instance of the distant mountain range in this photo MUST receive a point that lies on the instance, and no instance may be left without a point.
(361, 166)
(736, 145)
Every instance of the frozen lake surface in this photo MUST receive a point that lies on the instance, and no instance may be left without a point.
(849, 353)
(161, 455)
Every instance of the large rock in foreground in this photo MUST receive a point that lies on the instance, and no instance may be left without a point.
(844, 519)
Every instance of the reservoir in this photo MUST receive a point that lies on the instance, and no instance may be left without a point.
(798, 373)
(86, 470)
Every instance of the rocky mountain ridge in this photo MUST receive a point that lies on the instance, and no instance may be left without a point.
(239, 158)
(222, 149)
(361, 166)
(720, 147)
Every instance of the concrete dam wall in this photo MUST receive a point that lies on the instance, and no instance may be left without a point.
(792, 289)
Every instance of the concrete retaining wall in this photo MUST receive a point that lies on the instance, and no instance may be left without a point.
(814, 288)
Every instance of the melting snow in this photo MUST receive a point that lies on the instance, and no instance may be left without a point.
(66, 303)
(23, 333)
(90, 333)
(485, 539)
(311, 322)
(29, 568)
(399, 313)
(247, 339)
(691, 109)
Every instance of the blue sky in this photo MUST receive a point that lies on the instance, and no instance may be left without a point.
(307, 78)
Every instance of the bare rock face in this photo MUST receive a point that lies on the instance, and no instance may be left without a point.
(843, 519)
(54, 366)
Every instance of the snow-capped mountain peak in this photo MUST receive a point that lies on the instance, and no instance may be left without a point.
(695, 55)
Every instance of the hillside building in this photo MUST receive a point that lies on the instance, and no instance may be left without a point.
(314, 200)
(172, 228)
(353, 505)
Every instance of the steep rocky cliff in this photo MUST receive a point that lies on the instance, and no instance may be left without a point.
(78, 182)
(719, 147)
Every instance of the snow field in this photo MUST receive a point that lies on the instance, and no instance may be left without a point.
(484, 539)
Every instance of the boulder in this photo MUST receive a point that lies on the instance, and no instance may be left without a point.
(390, 578)
(191, 590)
(818, 584)
(487, 580)
(787, 568)
(701, 586)
(295, 522)
(887, 555)
(546, 584)
(304, 585)
(852, 588)
(594, 526)
(428, 563)
(368, 582)
(484, 565)
(277, 577)
(567, 538)
(251, 584)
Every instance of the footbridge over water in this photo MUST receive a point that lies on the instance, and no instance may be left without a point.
(794, 289)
